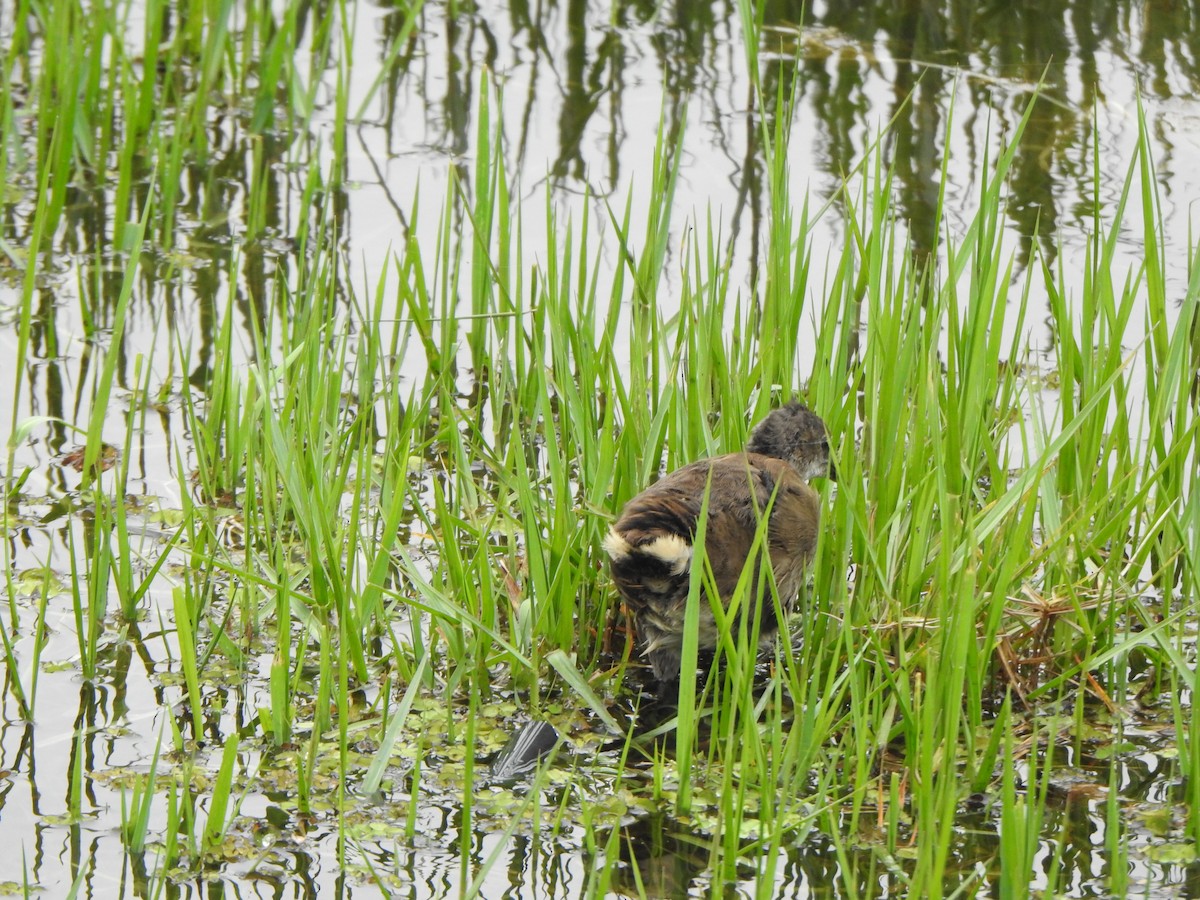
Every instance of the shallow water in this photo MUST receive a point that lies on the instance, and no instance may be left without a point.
(583, 88)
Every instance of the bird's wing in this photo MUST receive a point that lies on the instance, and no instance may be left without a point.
(651, 546)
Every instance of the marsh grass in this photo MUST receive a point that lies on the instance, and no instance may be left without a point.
(1007, 535)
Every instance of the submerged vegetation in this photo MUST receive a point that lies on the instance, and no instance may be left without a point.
(371, 549)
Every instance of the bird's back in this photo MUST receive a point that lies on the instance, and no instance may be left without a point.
(651, 552)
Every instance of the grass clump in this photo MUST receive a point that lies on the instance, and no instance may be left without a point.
(390, 503)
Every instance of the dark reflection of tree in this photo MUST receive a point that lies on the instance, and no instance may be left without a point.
(919, 93)
(586, 85)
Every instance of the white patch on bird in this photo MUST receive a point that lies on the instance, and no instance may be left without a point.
(616, 546)
(674, 551)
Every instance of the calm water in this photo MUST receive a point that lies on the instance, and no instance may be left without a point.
(584, 86)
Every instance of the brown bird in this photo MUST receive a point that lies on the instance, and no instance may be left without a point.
(650, 546)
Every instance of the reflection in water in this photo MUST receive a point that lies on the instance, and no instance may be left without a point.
(660, 858)
(583, 91)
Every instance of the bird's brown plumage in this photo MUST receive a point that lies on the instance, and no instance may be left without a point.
(650, 546)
